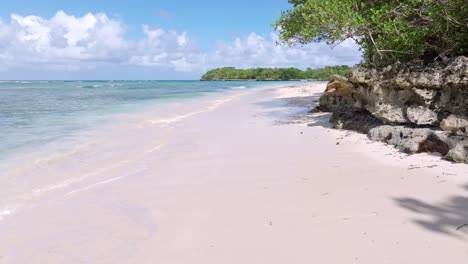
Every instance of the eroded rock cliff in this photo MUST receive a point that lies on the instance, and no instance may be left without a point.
(414, 107)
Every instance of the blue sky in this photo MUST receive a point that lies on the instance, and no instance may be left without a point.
(208, 20)
(147, 39)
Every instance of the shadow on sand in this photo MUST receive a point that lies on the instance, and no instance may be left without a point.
(295, 110)
(449, 217)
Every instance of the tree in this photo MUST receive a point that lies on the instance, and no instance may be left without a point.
(387, 31)
(271, 74)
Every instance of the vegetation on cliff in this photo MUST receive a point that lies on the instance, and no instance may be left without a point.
(387, 31)
(273, 74)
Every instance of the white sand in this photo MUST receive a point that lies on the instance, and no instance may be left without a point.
(247, 181)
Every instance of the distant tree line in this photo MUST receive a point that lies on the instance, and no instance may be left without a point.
(274, 74)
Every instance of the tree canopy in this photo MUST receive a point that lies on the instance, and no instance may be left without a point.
(274, 74)
(388, 31)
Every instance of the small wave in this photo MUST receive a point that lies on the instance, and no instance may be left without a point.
(170, 120)
(16, 82)
(238, 87)
(61, 155)
(153, 149)
(47, 159)
(167, 121)
(97, 184)
(219, 102)
(91, 86)
(64, 184)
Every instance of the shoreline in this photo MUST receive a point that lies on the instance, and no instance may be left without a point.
(261, 80)
(80, 148)
(246, 181)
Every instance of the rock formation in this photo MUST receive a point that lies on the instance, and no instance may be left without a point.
(417, 108)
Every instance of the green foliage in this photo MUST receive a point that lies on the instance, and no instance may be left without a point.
(387, 31)
(273, 74)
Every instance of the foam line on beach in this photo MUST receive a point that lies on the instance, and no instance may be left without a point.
(89, 187)
(167, 121)
(54, 187)
(55, 157)
(170, 120)
(64, 184)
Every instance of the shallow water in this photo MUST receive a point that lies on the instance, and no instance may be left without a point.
(59, 133)
(33, 113)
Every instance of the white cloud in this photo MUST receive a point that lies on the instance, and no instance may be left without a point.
(255, 50)
(63, 39)
(68, 43)
(165, 49)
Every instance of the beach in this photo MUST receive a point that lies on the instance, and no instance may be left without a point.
(247, 176)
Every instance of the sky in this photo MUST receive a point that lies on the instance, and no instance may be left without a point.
(141, 39)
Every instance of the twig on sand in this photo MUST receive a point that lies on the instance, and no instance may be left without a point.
(412, 167)
(462, 226)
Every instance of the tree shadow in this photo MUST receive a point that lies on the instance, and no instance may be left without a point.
(299, 101)
(449, 217)
(311, 119)
(295, 110)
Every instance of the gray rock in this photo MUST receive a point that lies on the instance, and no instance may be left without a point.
(400, 94)
(411, 140)
(426, 95)
(405, 139)
(455, 124)
(421, 115)
(407, 76)
(388, 113)
(458, 149)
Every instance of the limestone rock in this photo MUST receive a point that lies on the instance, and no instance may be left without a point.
(415, 107)
(338, 95)
(426, 95)
(402, 94)
(339, 86)
(458, 149)
(455, 124)
(405, 139)
(388, 113)
(421, 115)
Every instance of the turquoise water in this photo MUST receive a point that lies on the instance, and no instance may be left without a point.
(33, 113)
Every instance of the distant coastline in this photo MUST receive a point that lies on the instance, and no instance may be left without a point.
(273, 74)
(258, 80)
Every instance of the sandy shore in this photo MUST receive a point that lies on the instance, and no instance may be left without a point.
(246, 180)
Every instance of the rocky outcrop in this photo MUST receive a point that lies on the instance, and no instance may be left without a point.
(411, 140)
(417, 108)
